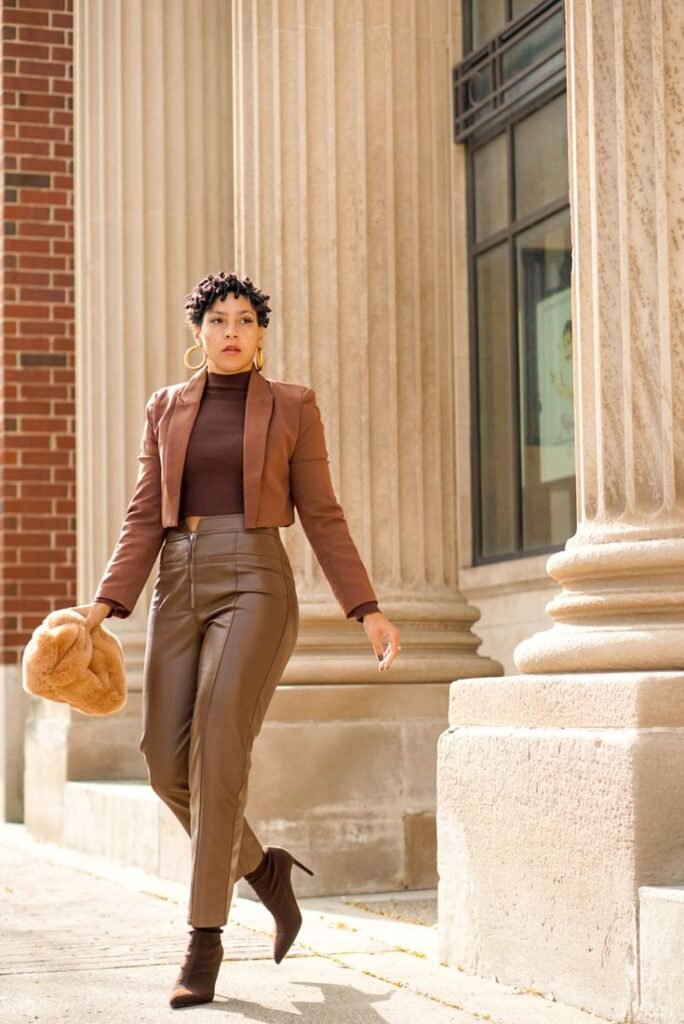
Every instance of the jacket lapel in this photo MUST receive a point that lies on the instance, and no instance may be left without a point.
(258, 408)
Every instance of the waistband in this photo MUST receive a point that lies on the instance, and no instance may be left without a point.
(233, 523)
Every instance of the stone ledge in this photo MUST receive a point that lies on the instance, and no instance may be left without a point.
(125, 821)
(587, 700)
(661, 953)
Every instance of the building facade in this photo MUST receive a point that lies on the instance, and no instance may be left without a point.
(473, 257)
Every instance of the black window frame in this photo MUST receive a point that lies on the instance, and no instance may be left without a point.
(475, 138)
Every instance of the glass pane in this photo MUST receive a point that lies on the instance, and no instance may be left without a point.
(520, 6)
(488, 18)
(490, 182)
(537, 46)
(547, 428)
(540, 156)
(497, 470)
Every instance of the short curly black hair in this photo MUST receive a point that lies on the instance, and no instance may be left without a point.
(217, 286)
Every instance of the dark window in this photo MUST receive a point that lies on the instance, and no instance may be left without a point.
(524, 499)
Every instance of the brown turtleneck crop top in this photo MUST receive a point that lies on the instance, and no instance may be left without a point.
(212, 474)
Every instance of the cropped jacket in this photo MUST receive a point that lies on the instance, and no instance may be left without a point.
(285, 467)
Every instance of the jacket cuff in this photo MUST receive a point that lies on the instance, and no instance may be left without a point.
(116, 607)
(363, 609)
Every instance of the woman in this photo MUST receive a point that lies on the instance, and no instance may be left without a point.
(224, 459)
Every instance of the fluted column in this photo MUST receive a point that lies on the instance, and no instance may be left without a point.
(574, 770)
(621, 606)
(153, 155)
(342, 214)
(154, 214)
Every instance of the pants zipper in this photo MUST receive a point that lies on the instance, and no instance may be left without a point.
(192, 581)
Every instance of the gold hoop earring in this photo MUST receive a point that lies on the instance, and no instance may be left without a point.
(193, 348)
(259, 359)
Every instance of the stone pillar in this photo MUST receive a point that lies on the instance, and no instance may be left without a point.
(560, 792)
(342, 214)
(153, 215)
(342, 193)
(621, 607)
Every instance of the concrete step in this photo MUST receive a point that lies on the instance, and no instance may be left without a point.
(661, 954)
(127, 823)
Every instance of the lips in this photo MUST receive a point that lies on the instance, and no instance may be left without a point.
(231, 348)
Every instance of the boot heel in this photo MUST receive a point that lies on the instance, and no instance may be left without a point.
(302, 866)
(272, 883)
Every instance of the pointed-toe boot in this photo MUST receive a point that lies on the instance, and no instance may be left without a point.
(272, 884)
(199, 970)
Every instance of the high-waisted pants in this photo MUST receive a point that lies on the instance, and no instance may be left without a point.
(223, 623)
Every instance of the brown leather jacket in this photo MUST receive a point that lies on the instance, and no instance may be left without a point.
(285, 467)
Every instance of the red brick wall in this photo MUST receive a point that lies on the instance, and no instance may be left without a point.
(37, 382)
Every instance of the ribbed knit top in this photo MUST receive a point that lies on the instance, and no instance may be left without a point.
(212, 476)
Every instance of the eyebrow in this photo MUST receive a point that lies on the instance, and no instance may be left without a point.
(218, 312)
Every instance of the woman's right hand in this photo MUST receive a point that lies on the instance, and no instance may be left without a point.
(93, 613)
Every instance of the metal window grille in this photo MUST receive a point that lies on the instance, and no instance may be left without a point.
(497, 78)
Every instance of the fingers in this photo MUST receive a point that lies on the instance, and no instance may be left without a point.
(390, 650)
(385, 640)
(91, 613)
(377, 645)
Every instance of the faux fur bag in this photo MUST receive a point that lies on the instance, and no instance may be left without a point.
(66, 662)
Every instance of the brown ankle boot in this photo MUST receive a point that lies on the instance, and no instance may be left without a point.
(199, 970)
(271, 882)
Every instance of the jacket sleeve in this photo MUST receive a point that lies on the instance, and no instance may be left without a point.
(321, 515)
(141, 534)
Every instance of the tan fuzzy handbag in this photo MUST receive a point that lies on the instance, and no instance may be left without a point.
(66, 662)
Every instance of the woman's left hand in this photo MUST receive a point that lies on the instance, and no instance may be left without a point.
(384, 636)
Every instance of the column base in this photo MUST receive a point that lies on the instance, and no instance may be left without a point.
(620, 609)
(558, 796)
(437, 645)
(344, 777)
(583, 648)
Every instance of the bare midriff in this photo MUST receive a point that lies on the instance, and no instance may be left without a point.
(192, 521)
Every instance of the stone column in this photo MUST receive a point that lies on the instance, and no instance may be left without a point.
(342, 179)
(342, 213)
(153, 214)
(622, 604)
(560, 790)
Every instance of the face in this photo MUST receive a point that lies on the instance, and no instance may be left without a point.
(230, 334)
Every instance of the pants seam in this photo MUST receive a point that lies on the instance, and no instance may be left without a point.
(201, 778)
(251, 720)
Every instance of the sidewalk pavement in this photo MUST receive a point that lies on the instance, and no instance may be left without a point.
(84, 940)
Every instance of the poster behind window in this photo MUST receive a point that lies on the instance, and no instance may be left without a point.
(556, 411)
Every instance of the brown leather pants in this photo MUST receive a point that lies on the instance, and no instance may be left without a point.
(223, 623)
